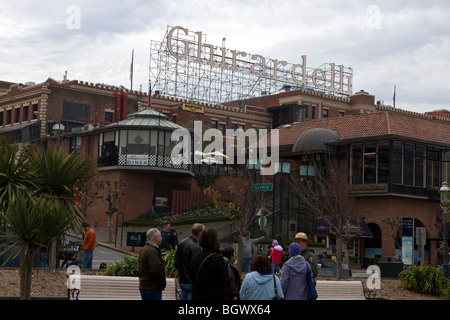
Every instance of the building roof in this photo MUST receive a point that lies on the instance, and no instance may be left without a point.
(315, 140)
(382, 124)
(146, 118)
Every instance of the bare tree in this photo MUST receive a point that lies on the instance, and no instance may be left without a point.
(328, 196)
(396, 229)
(111, 193)
(239, 202)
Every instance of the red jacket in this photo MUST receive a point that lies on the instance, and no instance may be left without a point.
(277, 254)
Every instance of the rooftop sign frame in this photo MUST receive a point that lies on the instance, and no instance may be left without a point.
(186, 66)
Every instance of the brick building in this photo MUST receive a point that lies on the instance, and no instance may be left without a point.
(405, 155)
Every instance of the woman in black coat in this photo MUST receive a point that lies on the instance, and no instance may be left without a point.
(209, 275)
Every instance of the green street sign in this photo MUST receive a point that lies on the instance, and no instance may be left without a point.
(262, 187)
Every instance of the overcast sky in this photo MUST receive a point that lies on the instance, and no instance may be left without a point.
(387, 43)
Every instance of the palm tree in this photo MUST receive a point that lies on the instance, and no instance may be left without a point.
(33, 221)
(37, 203)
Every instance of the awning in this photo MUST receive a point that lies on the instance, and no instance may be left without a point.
(365, 230)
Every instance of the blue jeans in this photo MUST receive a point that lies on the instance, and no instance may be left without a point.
(275, 267)
(86, 262)
(246, 264)
(147, 294)
(186, 291)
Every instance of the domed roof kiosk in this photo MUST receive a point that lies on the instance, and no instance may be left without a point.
(142, 140)
(315, 140)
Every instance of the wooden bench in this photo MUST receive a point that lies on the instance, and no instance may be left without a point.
(342, 290)
(91, 287)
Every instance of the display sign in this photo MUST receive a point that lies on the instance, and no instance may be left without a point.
(137, 160)
(408, 241)
(193, 108)
(331, 76)
(136, 239)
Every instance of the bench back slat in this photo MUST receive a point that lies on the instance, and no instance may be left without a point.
(115, 288)
(340, 290)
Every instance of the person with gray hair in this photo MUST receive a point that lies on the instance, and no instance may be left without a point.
(152, 275)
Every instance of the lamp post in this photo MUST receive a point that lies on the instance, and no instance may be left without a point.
(445, 203)
(58, 138)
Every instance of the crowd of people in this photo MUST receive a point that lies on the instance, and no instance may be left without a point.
(207, 272)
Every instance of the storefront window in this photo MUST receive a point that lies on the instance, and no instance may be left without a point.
(397, 162)
(370, 163)
(420, 166)
(383, 162)
(408, 165)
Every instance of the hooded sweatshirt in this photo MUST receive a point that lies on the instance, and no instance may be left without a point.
(294, 278)
(259, 286)
(276, 254)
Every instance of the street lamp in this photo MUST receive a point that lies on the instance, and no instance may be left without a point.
(57, 122)
(445, 203)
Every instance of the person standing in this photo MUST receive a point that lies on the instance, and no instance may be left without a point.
(260, 283)
(232, 293)
(276, 255)
(208, 271)
(247, 250)
(440, 255)
(88, 246)
(294, 275)
(183, 257)
(302, 239)
(169, 237)
(152, 276)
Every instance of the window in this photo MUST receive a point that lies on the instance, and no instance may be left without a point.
(383, 162)
(1, 118)
(408, 165)
(109, 116)
(25, 113)
(356, 163)
(214, 124)
(138, 142)
(222, 128)
(313, 112)
(72, 110)
(8, 116)
(419, 179)
(35, 108)
(370, 163)
(433, 170)
(16, 115)
(397, 162)
(325, 113)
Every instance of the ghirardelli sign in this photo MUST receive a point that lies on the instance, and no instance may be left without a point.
(184, 44)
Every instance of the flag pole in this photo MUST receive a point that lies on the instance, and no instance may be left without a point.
(394, 96)
(131, 69)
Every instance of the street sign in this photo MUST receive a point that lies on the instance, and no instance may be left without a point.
(262, 187)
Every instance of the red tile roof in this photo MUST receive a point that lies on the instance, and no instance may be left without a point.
(377, 124)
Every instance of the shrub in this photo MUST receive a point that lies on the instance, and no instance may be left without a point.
(169, 263)
(129, 266)
(426, 279)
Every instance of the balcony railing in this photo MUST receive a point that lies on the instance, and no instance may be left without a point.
(142, 160)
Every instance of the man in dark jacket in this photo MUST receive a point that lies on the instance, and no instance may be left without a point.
(169, 237)
(152, 276)
(185, 250)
